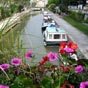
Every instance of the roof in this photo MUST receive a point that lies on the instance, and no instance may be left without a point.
(55, 30)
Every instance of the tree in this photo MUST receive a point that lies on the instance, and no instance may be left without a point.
(56, 2)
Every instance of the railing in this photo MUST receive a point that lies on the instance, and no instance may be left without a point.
(11, 22)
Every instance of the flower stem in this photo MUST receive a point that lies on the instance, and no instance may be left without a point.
(5, 73)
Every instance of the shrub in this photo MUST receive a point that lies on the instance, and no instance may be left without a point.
(63, 8)
(52, 7)
(13, 8)
(86, 20)
(78, 16)
(72, 14)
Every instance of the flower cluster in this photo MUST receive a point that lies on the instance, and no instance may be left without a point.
(67, 47)
(50, 57)
(66, 72)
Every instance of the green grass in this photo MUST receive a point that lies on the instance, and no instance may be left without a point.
(80, 26)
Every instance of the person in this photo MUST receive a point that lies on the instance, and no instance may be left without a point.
(73, 55)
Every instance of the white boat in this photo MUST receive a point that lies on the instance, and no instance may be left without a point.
(47, 24)
(54, 35)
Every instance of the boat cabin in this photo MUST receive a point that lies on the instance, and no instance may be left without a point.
(54, 35)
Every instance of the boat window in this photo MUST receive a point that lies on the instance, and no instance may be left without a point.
(50, 36)
(63, 36)
(57, 36)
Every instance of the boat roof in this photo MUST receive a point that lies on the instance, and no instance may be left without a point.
(55, 30)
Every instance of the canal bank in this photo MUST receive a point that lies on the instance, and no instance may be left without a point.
(10, 41)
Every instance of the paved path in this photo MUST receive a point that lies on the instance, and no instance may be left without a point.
(77, 36)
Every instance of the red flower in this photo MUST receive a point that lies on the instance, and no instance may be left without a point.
(45, 58)
(61, 67)
(64, 85)
(65, 69)
(74, 46)
(62, 51)
(70, 43)
(62, 45)
(42, 62)
(71, 86)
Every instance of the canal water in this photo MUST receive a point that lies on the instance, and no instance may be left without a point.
(32, 39)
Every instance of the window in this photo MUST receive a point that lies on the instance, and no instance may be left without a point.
(50, 36)
(57, 36)
(63, 36)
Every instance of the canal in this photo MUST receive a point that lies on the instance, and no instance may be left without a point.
(32, 39)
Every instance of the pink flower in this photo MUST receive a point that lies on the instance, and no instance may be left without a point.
(78, 69)
(16, 61)
(1, 68)
(29, 54)
(68, 50)
(52, 56)
(84, 84)
(2, 86)
(5, 66)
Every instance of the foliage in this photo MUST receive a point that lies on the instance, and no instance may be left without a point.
(73, 2)
(78, 25)
(52, 4)
(13, 8)
(50, 76)
(52, 7)
(63, 8)
(72, 14)
(63, 4)
(86, 20)
(5, 12)
(56, 2)
(10, 43)
(47, 82)
(78, 16)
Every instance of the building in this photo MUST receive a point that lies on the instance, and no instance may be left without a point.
(40, 3)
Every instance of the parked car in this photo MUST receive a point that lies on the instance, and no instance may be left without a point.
(53, 35)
